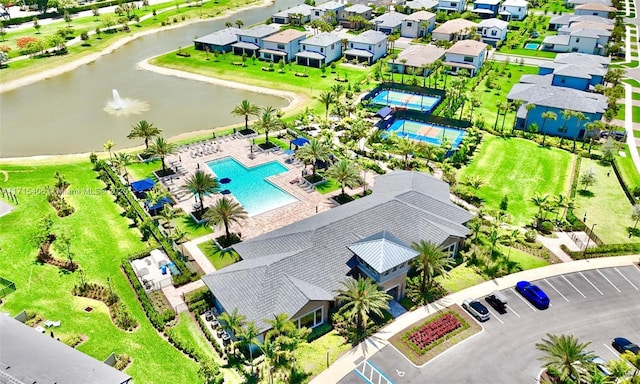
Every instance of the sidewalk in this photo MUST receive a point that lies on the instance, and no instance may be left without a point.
(379, 340)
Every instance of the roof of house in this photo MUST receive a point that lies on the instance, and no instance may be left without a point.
(390, 19)
(223, 37)
(322, 39)
(557, 40)
(259, 31)
(578, 2)
(285, 36)
(358, 8)
(329, 6)
(383, 251)
(369, 37)
(558, 97)
(282, 270)
(358, 52)
(455, 26)
(582, 59)
(582, 71)
(591, 25)
(515, 3)
(585, 32)
(467, 47)
(537, 79)
(487, 2)
(493, 23)
(29, 356)
(422, 4)
(569, 19)
(311, 55)
(596, 7)
(303, 9)
(417, 55)
(420, 16)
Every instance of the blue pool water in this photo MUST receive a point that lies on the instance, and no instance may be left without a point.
(406, 100)
(531, 46)
(249, 187)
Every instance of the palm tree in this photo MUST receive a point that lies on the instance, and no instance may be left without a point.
(267, 121)
(406, 147)
(168, 214)
(249, 335)
(326, 98)
(346, 173)
(162, 148)
(281, 324)
(431, 261)
(529, 107)
(239, 23)
(540, 201)
(312, 152)
(361, 298)
(200, 184)
(246, 109)
(108, 145)
(579, 118)
(144, 130)
(228, 24)
(547, 116)
(123, 159)
(567, 356)
(233, 321)
(226, 211)
(338, 90)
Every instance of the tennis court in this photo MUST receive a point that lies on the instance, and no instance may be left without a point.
(427, 132)
(407, 100)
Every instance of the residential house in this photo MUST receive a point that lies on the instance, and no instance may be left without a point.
(389, 22)
(466, 54)
(29, 356)
(595, 9)
(568, 20)
(418, 57)
(298, 268)
(454, 30)
(572, 70)
(493, 30)
(549, 98)
(514, 10)
(298, 15)
(328, 11)
(486, 9)
(282, 46)
(581, 59)
(418, 24)
(581, 40)
(359, 12)
(420, 5)
(250, 40)
(575, 3)
(319, 50)
(450, 6)
(219, 41)
(367, 47)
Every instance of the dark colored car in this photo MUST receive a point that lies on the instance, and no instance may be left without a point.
(534, 294)
(622, 345)
(498, 301)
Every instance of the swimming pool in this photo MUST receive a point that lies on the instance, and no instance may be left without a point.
(427, 132)
(249, 185)
(406, 100)
(531, 46)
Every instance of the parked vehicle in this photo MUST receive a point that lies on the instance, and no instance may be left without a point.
(498, 301)
(622, 345)
(534, 294)
(476, 309)
(601, 365)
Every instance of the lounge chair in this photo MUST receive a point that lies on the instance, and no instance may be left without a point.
(294, 181)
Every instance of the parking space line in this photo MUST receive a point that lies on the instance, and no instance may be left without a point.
(625, 277)
(589, 281)
(605, 277)
(511, 309)
(523, 300)
(613, 351)
(554, 288)
(574, 287)
(493, 315)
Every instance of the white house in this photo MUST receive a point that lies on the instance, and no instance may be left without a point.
(452, 5)
(300, 14)
(466, 54)
(418, 24)
(514, 10)
(595, 9)
(282, 46)
(421, 5)
(454, 30)
(389, 22)
(493, 30)
(368, 46)
(581, 40)
(250, 40)
(328, 11)
(320, 49)
(356, 10)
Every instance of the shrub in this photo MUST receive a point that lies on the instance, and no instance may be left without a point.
(546, 227)
(159, 320)
(530, 236)
(434, 331)
(22, 42)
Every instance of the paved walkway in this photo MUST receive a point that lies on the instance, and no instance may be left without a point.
(376, 342)
(575, 241)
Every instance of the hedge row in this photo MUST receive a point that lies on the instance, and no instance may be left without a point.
(56, 15)
(159, 320)
(207, 332)
(418, 351)
(604, 250)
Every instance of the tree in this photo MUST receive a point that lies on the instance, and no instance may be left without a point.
(43, 234)
(239, 23)
(312, 152)
(63, 245)
(588, 178)
(162, 148)
(226, 211)
(209, 372)
(547, 116)
(635, 216)
(430, 262)
(233, 321)
(201, 183)
(540, 201)
(168, 214)
(346, 173)
(268, 121)
(67, 18)
(529, 107)
(361, 298)
(246, 109)
(107, 146)
(122, 160)
(144, 130)
(406, 147)
(249, 337)
(281, 324)
(228, 24)
(36, 25)
(565, 355)
(326, 98)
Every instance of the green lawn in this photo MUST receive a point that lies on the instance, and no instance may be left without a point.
(459, 278)
(141, 170)
(529, 52)
(632, 82)
(328, 187)
(519, 169)
(606, 205)
(628, 169)
(218, 259)
(194, 230)
(635, 96)
(312, 358)
(621, 112)
(525, 260)
(47, 290)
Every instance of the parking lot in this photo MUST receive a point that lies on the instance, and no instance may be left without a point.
(595, 305)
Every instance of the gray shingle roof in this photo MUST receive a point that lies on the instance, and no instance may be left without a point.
(537, 79)
(223, 37)
(329, 6)
(419, 54)
(283, 270)
(382, 251)
(322, 39)
(421, 4)
(358, 8)
(302, 9)
(391, 19)
(28, 356)
(369, 37)
(259, 31)
(488, 23)
(582, 59)
(559, 97)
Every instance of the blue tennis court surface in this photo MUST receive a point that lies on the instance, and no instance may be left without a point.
(427, 132)
(407, 100)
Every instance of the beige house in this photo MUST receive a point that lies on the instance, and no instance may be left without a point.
(418, 57)
(466, 54)
(454, 30)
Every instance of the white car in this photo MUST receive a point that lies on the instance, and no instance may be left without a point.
(476, 309)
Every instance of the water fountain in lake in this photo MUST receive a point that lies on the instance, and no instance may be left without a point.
(125, 106)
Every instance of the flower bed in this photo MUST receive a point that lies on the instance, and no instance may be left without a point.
(434, 331)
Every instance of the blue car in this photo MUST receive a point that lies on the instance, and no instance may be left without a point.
(534, 294)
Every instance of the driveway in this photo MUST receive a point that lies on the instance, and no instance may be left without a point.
(595, 305)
